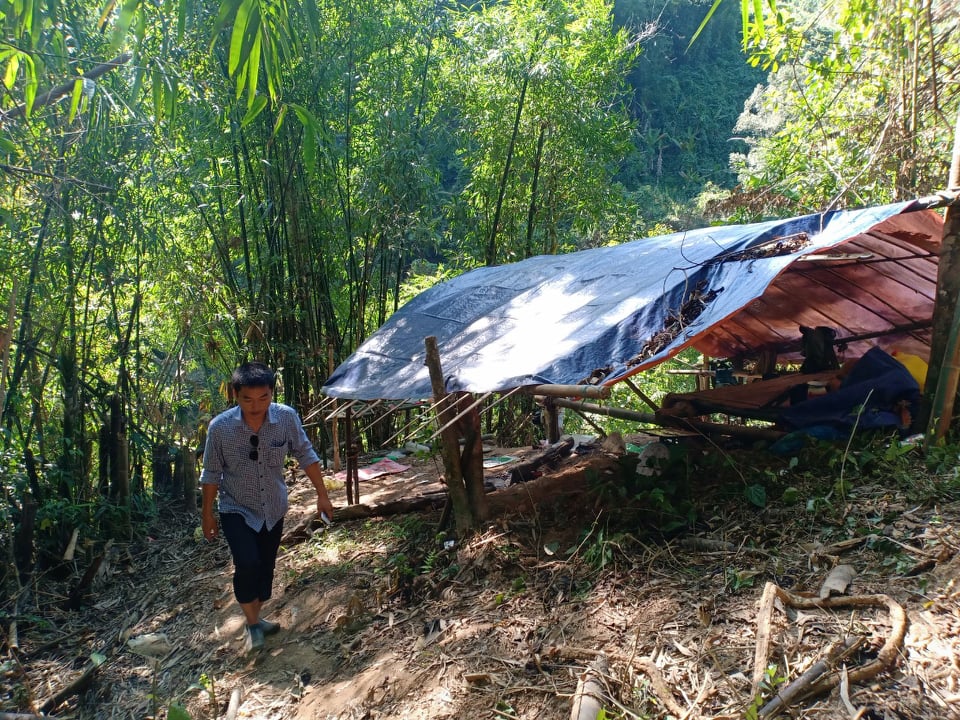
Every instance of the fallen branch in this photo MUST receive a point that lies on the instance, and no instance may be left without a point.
(801, 686)
(660, 688)
(588, 699)
(74, 688)
(824, 682)
(762, 649)
(305, 528)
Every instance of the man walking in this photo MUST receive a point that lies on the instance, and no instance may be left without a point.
(243, 462)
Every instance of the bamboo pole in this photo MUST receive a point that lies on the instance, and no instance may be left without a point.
(600, 392)
(6, 340)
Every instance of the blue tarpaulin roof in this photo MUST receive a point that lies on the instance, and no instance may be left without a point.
(726, 291)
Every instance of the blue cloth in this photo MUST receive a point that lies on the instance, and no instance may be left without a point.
(878, 383)
(254, 489)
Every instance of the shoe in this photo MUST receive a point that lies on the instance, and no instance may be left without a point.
(269, 628)
(254, 638)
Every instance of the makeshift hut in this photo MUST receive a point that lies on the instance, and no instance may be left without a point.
(601, 315)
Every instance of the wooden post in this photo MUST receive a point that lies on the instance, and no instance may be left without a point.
(355, 474)
(471, 457)
(450, 442)
(551, 421)
(352, 456)
(944, 365)
(700, 426)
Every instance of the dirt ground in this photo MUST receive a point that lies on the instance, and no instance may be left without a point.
(506, 622)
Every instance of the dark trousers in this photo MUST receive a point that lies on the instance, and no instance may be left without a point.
(254, 557)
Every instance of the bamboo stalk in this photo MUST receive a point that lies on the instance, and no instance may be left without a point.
(600, 392)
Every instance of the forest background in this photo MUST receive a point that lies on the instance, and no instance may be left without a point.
(187, 185)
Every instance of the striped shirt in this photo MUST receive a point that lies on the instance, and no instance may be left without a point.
(254, 488)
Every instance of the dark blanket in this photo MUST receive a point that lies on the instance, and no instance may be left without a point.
(878, 384)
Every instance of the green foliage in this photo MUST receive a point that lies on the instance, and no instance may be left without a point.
(846, 119)
(687, 95)
(536, 84)
(177, 712)
(756, 494)
(768, 688)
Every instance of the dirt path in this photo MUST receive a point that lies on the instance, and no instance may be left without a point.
(376, 626)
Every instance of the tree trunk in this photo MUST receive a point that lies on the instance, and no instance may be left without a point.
(941, 386)
(186, 473)
(71, 460)
(23, 542)
(532, 207)
(119, 471)
(162, 472)
(104, 454)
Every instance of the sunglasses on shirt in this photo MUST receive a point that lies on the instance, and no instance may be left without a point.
(254, 442)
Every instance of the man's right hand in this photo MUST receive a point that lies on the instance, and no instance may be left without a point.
(209, 525)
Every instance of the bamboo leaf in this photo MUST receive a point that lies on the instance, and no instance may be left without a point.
(105, 15)
(13, 67)
(310, 129)
(228, 8)
(7, 146)
(838, 580)
(310, 151)
(745, 23)
(157, 94)
(256, 107)
(171, 98)
(710, 12)
(278, 123)
(238, 36)
(253, 71)
(75, 98)
(181, 19)
(30, 89)
(127, 14)
(271, 63)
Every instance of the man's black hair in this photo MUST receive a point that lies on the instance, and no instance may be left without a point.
(253, 374)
